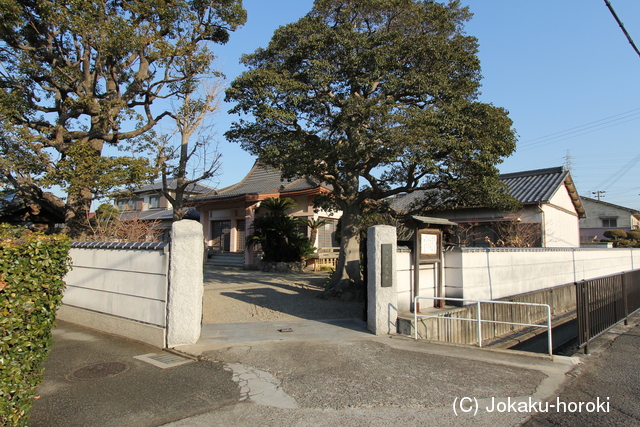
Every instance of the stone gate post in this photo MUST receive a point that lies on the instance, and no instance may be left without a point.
(184, 305)
(382, 289)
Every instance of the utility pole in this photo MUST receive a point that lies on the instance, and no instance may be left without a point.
(598, 193)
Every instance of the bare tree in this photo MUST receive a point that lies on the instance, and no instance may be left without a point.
(464, 234)
(515, 234)
(195, 158)
(109, 226)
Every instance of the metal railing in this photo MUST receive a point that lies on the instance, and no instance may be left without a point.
(480, 320)
(604, 302)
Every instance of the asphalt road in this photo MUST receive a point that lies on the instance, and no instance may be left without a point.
(610, 379)
(348, 379)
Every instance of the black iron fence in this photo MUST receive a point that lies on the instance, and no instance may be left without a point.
(604, 302)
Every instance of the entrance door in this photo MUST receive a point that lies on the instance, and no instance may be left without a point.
(221, 231)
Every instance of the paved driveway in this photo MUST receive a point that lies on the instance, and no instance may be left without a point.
(242, 296)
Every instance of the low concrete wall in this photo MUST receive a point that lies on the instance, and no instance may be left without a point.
(561, 299)
(125, 288)
(494, 273)
(535, 274)
(119, 288)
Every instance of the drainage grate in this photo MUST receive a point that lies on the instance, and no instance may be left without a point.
(99, 370)
(164, 360)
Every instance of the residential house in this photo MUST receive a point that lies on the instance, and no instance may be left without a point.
(148, 203)
(33, 208)
(551, 209)
(227, 214)
(603, 216)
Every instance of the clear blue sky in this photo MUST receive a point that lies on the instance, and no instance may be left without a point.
(563, 69)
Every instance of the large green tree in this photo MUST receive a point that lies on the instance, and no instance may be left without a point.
(79, 74)
(375, 97)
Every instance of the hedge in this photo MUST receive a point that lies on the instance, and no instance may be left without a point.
(32, 268)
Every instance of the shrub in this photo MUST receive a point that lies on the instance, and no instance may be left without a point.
(634, 234)
(615, 234)
(278, 234)
(624, 243)
(32, 268)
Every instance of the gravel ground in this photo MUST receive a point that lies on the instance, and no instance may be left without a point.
(241, 296)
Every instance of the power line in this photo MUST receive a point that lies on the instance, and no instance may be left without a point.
(624, 30)
(619, 173)
(581, 129)
(589, 125)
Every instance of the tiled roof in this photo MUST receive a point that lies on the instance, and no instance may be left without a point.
(157, 214)
(536, 186)
(404, 202)
(157, 186)
(528, 187)
(261, 179)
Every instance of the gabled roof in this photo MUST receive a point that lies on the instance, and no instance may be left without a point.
(536, 186)
(528, 187)
(262, 179)
(156, 186)
(633, 212)
(540, 185)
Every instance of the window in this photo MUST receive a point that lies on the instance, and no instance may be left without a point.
(154, 202)
(609, 222)
(327, 235)
(126, 205)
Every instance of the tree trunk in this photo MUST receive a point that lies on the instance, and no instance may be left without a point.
(77, 214)
(347, 274)
(178, 200)
(79, 195)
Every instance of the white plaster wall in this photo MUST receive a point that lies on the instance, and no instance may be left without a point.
(561, 229)
(496, 273)
(405, 281)
(128, 283)
(562, 199)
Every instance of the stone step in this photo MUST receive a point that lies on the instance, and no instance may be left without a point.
(226, 259)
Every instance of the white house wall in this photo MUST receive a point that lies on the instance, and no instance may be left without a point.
(562, 199)
(560, 227)
(597, 211)
(591, 227)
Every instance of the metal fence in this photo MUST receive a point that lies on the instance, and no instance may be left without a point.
(604, 302)
(480, 320)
